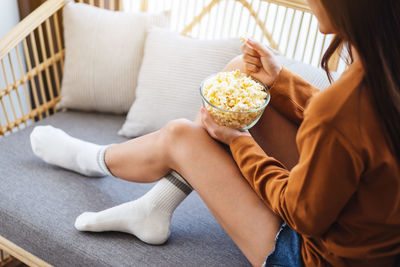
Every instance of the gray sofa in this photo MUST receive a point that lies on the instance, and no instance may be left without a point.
(39, 203)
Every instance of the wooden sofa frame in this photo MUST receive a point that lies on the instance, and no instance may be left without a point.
(32, 55)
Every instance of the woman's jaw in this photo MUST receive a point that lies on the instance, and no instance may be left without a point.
(325, 24)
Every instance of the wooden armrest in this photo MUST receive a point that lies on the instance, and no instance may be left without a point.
(27, 25)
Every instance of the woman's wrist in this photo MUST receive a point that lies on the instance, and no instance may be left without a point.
(276, 75)
(237, 135)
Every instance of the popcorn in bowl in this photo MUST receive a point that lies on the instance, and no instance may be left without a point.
(234, 99)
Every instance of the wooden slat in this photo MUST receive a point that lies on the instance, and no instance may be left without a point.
(179, 12)
(35, 112)
(298, 35)
(199, 17)
(27, 25)
(46, 69)
(6, 259)
(239, 20)
(6, 116)
(215, 26)
(322, 49)
(58, 38)
(198, 32)
(33, 72)
(231, 21)
(186, 17)
(258, 15)
(9, 95)
(281, 33)
(272, 43)
(51, 47)
(31, 77)
(164, 6)
(24, 83)
(36, 61)
(16, 86)
(249, 18)
(306, 43)
(144, 5)
(295, 4)
(314, 43)
(21, 254)
(224, 18)
(290, 33)
(265, 19)
(274, 23)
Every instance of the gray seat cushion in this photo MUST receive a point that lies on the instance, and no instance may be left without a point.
(39, 204)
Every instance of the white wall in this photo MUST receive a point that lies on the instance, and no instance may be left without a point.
(9, 16)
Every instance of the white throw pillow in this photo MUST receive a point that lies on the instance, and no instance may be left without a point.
(311, 74)
(169, 79)
(104, 50)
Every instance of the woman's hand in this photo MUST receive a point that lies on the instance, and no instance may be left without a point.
(220, 133)
(260, 62)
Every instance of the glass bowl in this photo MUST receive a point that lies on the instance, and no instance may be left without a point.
(240, 120)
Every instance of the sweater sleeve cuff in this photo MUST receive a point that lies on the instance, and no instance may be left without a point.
(290, 94)
(239, 141)
(280, 81)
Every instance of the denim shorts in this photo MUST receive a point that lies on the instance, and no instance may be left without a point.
(287, 249)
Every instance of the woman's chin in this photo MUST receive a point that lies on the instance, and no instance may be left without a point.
(325, 30)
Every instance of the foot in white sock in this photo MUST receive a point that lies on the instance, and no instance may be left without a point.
(56, 147)
(148, 218)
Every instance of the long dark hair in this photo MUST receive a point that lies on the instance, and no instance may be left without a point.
(372, 27)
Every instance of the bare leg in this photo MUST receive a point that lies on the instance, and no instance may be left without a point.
(185, 147)
(274, 133)
(140, 160)
(212, 172)
(208, 166)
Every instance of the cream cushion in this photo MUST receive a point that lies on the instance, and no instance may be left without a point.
(169, 80)
(104, 50)
(315, 76)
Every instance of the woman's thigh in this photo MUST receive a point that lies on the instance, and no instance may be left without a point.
(276, 135)
(214, 175)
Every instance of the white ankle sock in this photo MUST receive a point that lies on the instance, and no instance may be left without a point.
(148, 218)
(56, 147)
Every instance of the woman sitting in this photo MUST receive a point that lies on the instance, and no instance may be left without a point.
(339, 205)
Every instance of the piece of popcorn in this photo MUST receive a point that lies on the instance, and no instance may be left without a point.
(244, 38)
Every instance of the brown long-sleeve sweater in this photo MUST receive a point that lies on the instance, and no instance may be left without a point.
(343, 196)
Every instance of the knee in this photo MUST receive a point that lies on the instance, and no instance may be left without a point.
(178, 130)
(236, 63)
(181, 133)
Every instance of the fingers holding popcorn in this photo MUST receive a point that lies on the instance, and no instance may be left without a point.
(248, 50)
(259, 48)
(252, 60)
(260, 62)
(250, 68)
